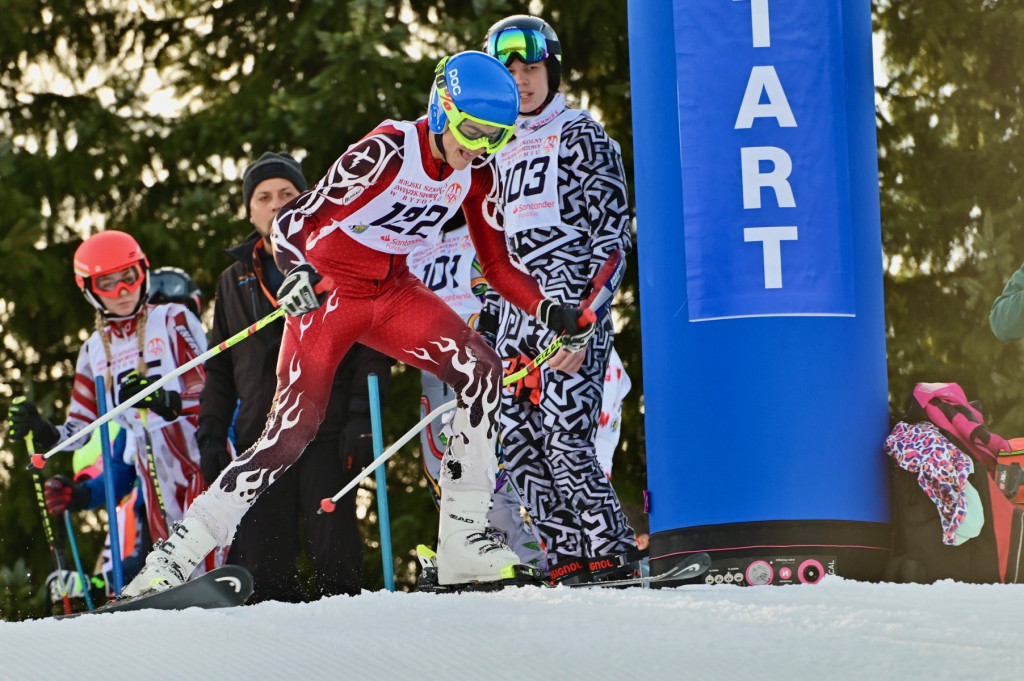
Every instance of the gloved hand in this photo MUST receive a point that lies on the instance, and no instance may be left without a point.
(564, 319)
(487, 326)
(527, 388)
(357, 443)
(23, 418)
(297, 294)
(166, 403)
(213, 458)
(62, 495)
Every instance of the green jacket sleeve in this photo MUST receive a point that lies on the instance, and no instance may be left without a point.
(1007, 315)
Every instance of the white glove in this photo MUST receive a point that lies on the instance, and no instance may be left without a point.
(297, 294)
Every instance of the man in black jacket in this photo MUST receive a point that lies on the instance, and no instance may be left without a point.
(269, 538)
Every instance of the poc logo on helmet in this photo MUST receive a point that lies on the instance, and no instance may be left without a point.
(453, 78)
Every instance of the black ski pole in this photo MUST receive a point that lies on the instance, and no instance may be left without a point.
(47, 526)
(151, 467)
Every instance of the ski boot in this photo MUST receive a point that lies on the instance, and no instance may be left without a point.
(468, 556)
(172, 560)
(518, 575)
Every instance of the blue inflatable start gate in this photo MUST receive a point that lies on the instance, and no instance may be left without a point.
(759, 246)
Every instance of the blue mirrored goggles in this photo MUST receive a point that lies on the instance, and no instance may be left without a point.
(528, 44)
(169, 284)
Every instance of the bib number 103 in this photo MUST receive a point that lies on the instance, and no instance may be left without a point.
(526, 178)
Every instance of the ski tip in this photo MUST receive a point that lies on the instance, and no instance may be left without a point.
(588, 317)
(38, 461)
(327, 506)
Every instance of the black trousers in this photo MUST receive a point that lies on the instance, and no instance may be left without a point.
(284, 521)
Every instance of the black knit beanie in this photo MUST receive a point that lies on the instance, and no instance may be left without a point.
(271, 165)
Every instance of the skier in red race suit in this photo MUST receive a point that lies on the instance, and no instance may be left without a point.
(387, 194)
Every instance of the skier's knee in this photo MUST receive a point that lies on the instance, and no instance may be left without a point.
(474, 363)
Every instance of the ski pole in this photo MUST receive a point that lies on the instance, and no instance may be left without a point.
(47, 526)
(151, 468)
(40, 459)
(78, 560)
(544, 356)
(383, 516)
(602, 287)
(66, 578)
(108, 488)
(601, 290)
(588, 317)
(327, 505)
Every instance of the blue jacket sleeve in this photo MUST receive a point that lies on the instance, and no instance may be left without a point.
(122, 474)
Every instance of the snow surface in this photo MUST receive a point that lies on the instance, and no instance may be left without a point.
(837, 629)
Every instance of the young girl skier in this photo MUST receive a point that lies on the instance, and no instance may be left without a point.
(134, 343)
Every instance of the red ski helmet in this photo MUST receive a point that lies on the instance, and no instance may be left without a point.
(106, 253)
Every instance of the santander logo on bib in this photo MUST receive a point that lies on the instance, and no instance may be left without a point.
(452, 193)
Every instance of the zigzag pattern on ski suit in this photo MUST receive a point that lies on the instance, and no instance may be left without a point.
(550, 448)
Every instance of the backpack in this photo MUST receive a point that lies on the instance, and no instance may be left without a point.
(946, 405)
(1009, 473)
(919, 553)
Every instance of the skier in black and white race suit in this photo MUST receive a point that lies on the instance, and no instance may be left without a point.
(451, 269)
(566, 211)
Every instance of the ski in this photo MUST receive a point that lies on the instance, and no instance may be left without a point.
(223, 587)
(689, 567)
(684, 569)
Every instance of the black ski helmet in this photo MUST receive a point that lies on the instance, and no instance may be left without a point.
(553, 60)
(174, 285)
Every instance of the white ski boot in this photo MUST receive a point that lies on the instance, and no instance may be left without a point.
(172, 560)
(465, 551)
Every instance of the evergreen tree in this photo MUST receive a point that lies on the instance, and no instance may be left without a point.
(950, 149)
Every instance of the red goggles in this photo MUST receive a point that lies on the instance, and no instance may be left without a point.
(110, 285)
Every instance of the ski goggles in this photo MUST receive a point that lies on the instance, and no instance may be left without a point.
(474, 133)
(110, 285)
(170, 285)
(528, 44)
